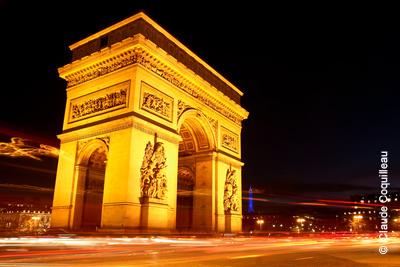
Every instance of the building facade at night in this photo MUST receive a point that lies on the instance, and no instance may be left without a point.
(151, 138)
(364, 215)
(292, 222)
(359, 215)
(24, 218)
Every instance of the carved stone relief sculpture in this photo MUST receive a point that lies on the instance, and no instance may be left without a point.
(153, 179)
(231, 196)
(82, 143)
(156, 104)
(182, 106)
(98, 104)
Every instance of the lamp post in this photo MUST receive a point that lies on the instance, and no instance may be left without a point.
(357, 218)
(300, 220)
(260, 222)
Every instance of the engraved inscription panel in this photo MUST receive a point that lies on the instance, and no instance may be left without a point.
(229, 140)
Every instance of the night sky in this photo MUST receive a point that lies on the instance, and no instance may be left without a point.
(321, 84)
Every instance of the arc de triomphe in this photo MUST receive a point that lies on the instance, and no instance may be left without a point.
(151, 136)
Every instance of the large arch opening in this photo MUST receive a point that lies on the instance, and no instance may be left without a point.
(184, 201)
(92, 168)
(193, 192)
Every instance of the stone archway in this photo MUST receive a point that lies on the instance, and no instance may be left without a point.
(184, 199)
(195, 173)
(167, 124)
(90, 171)
(195, 129)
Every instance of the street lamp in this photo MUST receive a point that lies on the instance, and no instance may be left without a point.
(357, 218)
(300, 220)
(33, 223)
(260, 222)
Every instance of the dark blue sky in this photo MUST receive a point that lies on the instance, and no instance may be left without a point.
(321, 82)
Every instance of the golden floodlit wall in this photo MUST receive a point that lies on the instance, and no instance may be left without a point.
(151, 138)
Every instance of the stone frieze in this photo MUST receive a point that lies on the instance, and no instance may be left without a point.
(104, 100)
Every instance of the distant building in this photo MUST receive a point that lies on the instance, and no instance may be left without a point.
(360, 214)
(393, 199)
(295, 222)
(267, 222)
(25, 218)
(293, 218)
(364, 215)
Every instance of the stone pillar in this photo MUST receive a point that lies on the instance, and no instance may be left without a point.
(65, 184)
(77, 196)
(124, 207)
(121, 206)
(154, 215)
(233, 222)
(230, 201)
(204, 194)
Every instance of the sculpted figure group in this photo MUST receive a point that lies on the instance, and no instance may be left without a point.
(153, 177)
(231, 198)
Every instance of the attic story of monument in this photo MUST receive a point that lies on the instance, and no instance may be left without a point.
(151, 139)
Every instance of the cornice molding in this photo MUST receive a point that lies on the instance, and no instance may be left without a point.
(143, 25)
(117, 125)
(140, 56)
(229, 159)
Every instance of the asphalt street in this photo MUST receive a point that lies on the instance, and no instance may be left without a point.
(225, 251)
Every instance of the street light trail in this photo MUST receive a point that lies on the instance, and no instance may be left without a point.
(172, 251)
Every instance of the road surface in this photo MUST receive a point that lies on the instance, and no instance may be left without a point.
(224, 251)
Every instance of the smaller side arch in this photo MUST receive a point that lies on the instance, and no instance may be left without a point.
(89, 148)
(89, 185)
(197, 117)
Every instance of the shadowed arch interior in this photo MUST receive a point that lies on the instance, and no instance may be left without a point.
(92, 167)
(196, 140)
(196, 133)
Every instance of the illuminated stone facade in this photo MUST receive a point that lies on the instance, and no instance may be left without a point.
(151, 136)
